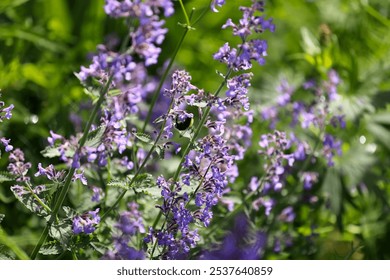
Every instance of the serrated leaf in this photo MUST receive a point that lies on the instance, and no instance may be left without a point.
(51, 248)
(30, 203)
(4, 257)
(69, 212)
(6, 176)
(84, 240)
(53, 151)
(99, 247)
(154, 191)
(52, 188)
(143, 179)
(61, 232)
(188, 133)
(146, 138)
(200, 104)
(95, 137)
(116, 183)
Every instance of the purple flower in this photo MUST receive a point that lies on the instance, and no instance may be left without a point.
(6, 144)
(50, 173)
(235, 246)
(287, 215)
(86, 222)
(123, 251)
(97, 194)
(53, 137)
(80, 176)
(19, 190)
(130, 222)
(240, 58)
(286, 92)
(8, 111)
(331, 147)
(17, 165)
(309, 178)
(254, 184)
(218, 3)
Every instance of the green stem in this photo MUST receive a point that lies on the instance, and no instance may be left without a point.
(72, 170)
(147, 119)
(10, 243)
(192, 141)
(162, 80)
(141, 167)
(199, 127)
(47, 208)
(185, 14)
(74, 256)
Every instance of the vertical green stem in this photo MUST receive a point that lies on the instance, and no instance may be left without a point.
(185, 13)
(162, 80)
(152, 149)
(199, 127)
(65, 189)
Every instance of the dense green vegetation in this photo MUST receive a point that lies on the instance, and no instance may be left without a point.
(42, 44)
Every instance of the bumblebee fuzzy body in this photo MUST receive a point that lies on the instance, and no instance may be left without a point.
(183, 125)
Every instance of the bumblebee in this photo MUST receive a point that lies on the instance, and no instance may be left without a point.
(184, 125)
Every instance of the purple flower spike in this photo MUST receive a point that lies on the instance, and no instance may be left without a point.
(86, 222)
(218, 3)
(6, 144)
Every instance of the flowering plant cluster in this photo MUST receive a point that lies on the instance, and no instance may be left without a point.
(159, 157)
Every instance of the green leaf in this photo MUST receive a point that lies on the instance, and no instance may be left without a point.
(53, 151)
(6, 177)
(83, 241)
(95, 137)
(7, 4)
(310, 43)
(61, 232)
(114, 92)
(69, 212)
(51, 248)
(142, 180)
(116, 183)
(8, 31)
(50, 152)
(4, 257)
(28, 200)
(146, 138)
(200, 104)
(188, 133)
(152, 191)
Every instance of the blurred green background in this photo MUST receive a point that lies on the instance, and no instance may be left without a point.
(42, 44)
